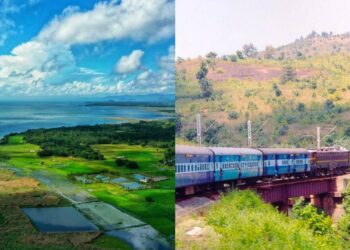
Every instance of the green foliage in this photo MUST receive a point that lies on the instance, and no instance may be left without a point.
(232, 58)
(240, 54)
(206, 87)
(149, 199)
(2, 219)
(288, 74)
(249, 50)
(332, 90)
(278, 92)
(301, 107)
(211, 134)
(190, 134)
(211, 55)
(77, 141)
(123, 162)
(244, 221)
(233, 115)
(317, 221)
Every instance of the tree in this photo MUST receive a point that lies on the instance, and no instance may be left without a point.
(329, 105)
(190, 134)
(240, 54)
(211, 55)
(250, 50)
(212, 132)
(269, 52)
(224, 57)
(233, 115)
(301, 107)
(203, 71)
(205, 84)
(232, 58)
(312, 35)
(278, 92)
(318, 222)
(178, 123)
(288, 74)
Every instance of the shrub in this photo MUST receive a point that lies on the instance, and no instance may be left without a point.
(149, 199)
(278, 92)
(233, 115)
(190, 134)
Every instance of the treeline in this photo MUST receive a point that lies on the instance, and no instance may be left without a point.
(76, 141)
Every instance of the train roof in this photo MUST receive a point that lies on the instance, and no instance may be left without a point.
(235, 151)
(284, 150)
(185, 149)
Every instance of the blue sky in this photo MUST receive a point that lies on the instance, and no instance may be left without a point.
(226, 25)
(86, 47)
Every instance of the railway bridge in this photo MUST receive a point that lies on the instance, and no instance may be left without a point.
(323, 192)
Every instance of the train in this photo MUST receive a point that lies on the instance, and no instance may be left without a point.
(197, 167)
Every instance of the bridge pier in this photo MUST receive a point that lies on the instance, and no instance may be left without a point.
(325, 201)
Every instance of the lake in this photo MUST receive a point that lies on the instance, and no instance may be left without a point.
(59, 219)
(21, 116)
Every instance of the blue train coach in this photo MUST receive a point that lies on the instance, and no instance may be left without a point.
(285, 161)
(194, 165)
(237, 163)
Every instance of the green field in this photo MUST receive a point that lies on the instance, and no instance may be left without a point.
(157, 211)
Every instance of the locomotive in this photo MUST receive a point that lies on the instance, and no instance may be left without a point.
(197, 167)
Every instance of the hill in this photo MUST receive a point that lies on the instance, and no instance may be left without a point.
(285, 98)
(312, 45)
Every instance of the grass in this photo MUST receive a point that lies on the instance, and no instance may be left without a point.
(241, 220)
(159, 213)
(107, 242)
(256, 100)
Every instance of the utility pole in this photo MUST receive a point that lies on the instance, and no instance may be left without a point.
(249, 128)
(318, 138)
(199, 129)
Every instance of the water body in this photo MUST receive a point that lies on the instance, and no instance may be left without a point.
(21, 116)
(59, 220)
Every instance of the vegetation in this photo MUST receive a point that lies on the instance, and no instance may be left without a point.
(203, 81)
(285, 98)
(77, 141)
(17, 232)
(159, 213)
(122, 162)
(241, 220)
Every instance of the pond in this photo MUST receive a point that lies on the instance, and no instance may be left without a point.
(59, 220)
(141, 238)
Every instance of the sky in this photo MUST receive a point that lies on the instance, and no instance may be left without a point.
(86, 47)
(224, 26)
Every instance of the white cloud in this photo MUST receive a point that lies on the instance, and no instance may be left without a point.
(139, 20)
(46, 65)
(144, 75)
(129, 63)
(35, 61)
(159, 81)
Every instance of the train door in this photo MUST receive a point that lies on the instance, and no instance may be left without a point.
(292, 167)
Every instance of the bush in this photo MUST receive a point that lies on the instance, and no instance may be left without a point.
(278, 92)
(190, 134)
(123, 162)
(288, 74)
(244, 221)
(132, 165)
(233, 115)
(149, 199)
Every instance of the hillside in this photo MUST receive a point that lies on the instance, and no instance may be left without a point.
(313, 45)
(286, 99)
